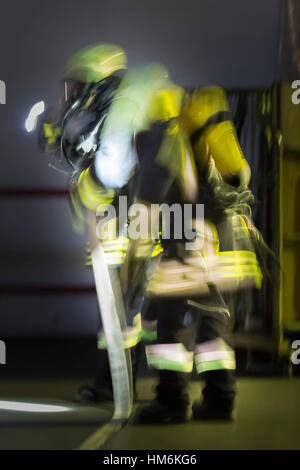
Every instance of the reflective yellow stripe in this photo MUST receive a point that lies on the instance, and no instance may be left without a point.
(115, 251)
(240, 273)
(131, 336)
(116, 244)
(216, 365)
(51, 133)
(157, 249)
(92, 194)
(148, 247)
(167, 364)
(240, 253)
(148, 335)
(240, 265)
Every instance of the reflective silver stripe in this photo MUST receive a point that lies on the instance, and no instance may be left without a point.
(213, 355)
(114, 258)
(170, 357)
(217, 344)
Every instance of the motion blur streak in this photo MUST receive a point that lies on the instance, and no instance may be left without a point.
(31, 407)
(36, 110)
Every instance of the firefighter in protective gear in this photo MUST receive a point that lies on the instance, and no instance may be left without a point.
(175, 142)
(71, 133)
(200, 151)
(181, 142)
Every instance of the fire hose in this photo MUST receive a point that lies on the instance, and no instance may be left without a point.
(113, 316)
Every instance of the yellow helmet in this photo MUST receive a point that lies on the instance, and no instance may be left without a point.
(93, 63)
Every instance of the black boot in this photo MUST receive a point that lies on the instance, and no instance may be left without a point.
(172, 402)
(92, 394)
(158, 413)
(218, 396)
(102, 389)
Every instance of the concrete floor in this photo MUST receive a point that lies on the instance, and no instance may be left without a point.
(47, 431)
(267, 417)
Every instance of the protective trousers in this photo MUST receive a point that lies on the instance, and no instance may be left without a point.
(193, 333)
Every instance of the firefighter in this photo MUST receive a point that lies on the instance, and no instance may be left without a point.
(183, 147)
(200, 151)
(71, 134)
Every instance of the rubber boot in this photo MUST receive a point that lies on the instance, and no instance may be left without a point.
(171, 404)
(102, 389)
(217, 396)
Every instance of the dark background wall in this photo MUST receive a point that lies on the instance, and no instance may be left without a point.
(232, 43)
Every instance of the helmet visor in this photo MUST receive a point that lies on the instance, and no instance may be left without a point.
(71, 89)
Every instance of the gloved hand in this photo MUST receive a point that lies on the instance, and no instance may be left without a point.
(49, 131)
